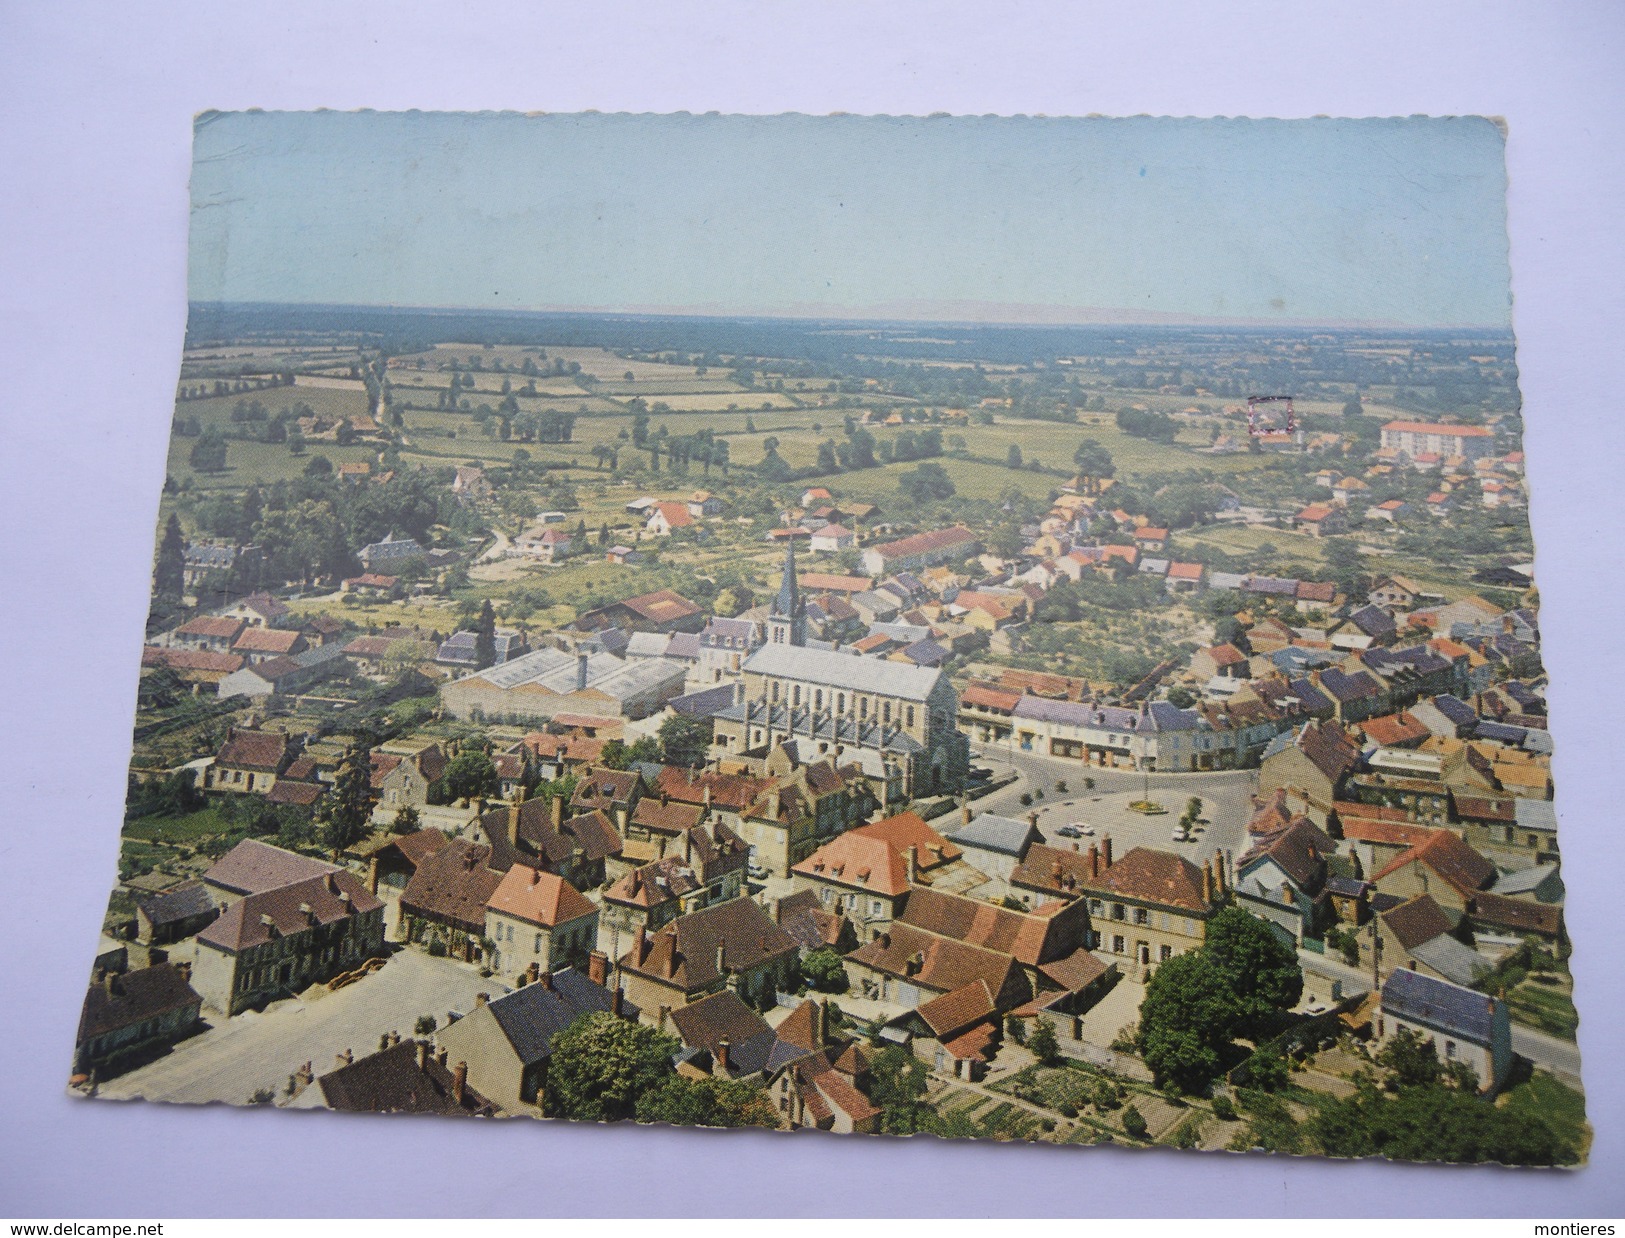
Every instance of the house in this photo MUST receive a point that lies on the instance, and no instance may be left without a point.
(462, 648)
(258, 645)
(391, 554)
(919, 551)
(470, 484)
(660, 611)
(733, 944)
(1441, 865)
(282, 940)
(706, 865)
(1185, 577)
(814, 496)
(373, 584)
(507, 1042)
(1347, 490)
(395, 859)
(1390, 510)
(703, 503)
(128, 1014)
(1219, 660)
(407, 1076)
(1462, 1025)
(955, 1034)
(545, 543)
(724, 1038)
(214, 633)
(1148, 905)
(578, 847)
(813, 927)
(174, 914)
(666, 518)
(1320, 520)
(1283, 880)
(257, 610)
(537, 922)
(1149, 539)
(1394, 593)
(991, 843)
(249, 761)
(197, 667)
(1418, 935)
(402, 779)
(286, 675)
(253, 867)
(832, 538)
(865, 874)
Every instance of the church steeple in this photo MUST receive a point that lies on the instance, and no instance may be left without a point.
(787, 619)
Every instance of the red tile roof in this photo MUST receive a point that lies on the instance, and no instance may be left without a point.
(538, 898)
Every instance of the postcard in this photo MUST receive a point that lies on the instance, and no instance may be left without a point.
(1012, 628)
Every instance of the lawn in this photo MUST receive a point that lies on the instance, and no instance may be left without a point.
(1547, 1007)
(189, 828)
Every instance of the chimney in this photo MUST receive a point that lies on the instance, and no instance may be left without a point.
(1032, 819)
(964, 812)
(723, 1047)
(555, 808)
(912, 855)
(535, 876)
(340, 1061)
(640, 946)
(581, 671)
(532, 971)
(441, 1056)
(425, 1052)
(722, 968)
(545, 979)
(598, 967)
(513, 825)
(820, 1021)
(1106, 850)
(665, 1017)
(480, 999)
(330, 882)
(459, 1082)
(617, 1001)
(1207, 883)
(1094, 860)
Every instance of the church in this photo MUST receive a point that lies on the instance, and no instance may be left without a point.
(894, 720)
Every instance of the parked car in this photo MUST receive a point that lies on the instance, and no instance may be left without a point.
(759, 872)
(1181, 834)
(1071, 831)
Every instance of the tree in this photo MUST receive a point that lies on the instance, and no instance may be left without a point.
(614, 754)
(1012, 458)
(169, 577)
(406, 820)
(600, 1065)
(824, 971)
(485, 637)
(208, 454)
(1431, 1123)
(681, 1101)
(929, 481)
(1042, 1043)
(1261, 970)
(1410, 1061)
(344, 810)
(1186, 1021)
(1134, 1123)
(897, 1083)
(470, 774)
(684, 740)
(1093, 460)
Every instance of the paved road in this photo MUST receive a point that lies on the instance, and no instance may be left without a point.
(237, 1056)
(1226, 800)
(1551, 1052)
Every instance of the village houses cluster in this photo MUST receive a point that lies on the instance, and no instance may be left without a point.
(828, 809)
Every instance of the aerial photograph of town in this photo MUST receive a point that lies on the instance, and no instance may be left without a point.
(895, 691)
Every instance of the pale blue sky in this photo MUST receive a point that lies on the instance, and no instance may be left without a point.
(999, 218)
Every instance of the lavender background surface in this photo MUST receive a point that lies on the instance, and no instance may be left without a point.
(96, 104)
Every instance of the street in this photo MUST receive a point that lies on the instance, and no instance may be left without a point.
(1226, 802)
(238, 1056)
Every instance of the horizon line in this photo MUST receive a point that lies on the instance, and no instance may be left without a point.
(901, 313)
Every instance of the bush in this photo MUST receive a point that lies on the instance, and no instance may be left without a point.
(425, 1025)
(1224, 1108)
(1133, 1124)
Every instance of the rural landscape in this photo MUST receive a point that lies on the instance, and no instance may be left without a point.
(1082, 734)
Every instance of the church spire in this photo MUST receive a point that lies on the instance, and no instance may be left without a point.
(787, 619)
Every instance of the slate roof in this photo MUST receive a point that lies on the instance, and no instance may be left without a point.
(332, 897)
(990, 832)
(403, 1078)
(134, 997)
(531, 1016)
(182, 902)
(252, 866)
(1449, 1008)
(706, 1023)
